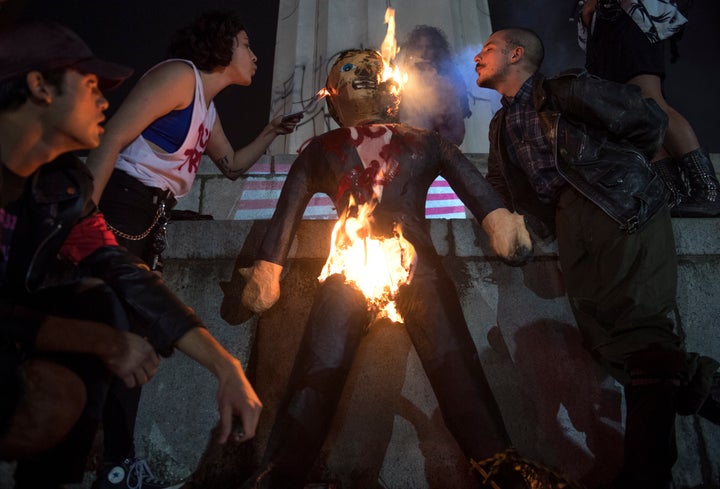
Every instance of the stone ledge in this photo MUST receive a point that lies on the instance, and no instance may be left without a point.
(207, 167)
(225, 239)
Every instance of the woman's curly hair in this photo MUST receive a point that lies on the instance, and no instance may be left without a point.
(209, 40)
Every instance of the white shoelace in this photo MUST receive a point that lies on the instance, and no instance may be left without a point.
(140, 469)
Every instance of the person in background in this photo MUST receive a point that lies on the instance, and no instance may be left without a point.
(75, 306)
(573, 151)
(435, 97)
(627, 42)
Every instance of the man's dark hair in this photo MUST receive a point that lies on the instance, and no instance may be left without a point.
(209, 40)
(14, 91)
(526, 38)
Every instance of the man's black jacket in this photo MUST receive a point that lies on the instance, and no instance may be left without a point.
(602, 135)
(56, 199)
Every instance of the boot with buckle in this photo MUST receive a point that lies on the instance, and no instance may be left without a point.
(670, 174)
(703, 187)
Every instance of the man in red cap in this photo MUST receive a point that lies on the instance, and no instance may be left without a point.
(63, 338)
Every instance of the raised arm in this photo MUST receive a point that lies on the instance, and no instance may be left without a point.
(233, 163)
(168, 87)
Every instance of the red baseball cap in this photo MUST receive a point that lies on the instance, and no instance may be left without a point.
(44, 45)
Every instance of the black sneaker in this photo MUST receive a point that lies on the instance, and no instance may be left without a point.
(132, 474)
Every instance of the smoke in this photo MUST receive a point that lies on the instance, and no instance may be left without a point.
(465, 60)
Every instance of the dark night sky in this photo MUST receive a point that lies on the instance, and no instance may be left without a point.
(691, 83)
(128, 31)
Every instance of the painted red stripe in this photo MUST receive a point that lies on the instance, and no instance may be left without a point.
(263, 185)
(444, 210)
(261, 168)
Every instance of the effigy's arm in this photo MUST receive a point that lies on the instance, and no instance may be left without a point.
(509, 237)
(262, 289)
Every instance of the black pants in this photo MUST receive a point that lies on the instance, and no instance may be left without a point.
(338, 320)
(134, 212)
(622, 290)
(65, 463)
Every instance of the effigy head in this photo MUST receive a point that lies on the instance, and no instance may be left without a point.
(357, 93)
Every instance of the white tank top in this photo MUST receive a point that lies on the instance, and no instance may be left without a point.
(172, 171)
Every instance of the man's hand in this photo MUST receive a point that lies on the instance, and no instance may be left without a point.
(126, 355)
(134, 360)
(509, 237)
(263, 285)
(237, 399)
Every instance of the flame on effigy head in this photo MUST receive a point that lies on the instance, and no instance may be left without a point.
(377, 266)
(389, 49)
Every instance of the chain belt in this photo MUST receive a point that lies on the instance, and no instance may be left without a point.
(137, 237)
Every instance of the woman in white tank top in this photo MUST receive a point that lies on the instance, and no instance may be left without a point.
(151, 152)
(209, 55)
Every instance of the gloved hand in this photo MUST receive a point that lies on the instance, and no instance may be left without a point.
(509, 237)
(263, 285)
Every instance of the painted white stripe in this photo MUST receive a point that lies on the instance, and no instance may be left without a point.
(431, 204)
(260, 195)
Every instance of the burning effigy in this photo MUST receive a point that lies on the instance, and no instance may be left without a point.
(382, 263)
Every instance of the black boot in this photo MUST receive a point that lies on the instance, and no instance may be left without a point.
(703, 186)
(650, 450)
(651, 401)
(670, 174)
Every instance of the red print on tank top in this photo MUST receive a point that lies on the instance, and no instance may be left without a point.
(194, 154)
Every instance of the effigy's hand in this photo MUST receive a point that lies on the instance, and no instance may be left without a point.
(263, 285)
(509, 237)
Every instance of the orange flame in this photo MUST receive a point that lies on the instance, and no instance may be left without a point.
(376, 266)
(389, 50)
(389, 47)
(321, 94)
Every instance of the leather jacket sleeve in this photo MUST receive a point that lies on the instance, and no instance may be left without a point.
(615, 109)
(494, 174)
(154, 310)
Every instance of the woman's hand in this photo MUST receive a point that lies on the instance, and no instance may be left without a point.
(286, 124)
